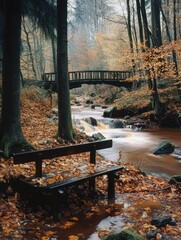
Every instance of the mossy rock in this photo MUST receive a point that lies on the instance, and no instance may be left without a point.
(175, 180)
(125, 235)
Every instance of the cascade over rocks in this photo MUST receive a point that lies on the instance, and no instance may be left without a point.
(165, 148)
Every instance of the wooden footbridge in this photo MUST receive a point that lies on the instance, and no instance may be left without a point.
(77, 78)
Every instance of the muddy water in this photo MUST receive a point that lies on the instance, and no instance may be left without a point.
(136, 147)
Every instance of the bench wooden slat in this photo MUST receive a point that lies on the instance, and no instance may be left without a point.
(80, 179)
(60, 151)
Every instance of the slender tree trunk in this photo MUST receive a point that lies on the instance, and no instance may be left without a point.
(147, 36)
(174, 55)
(140, 26)
(11, 137)
(175, 35)
(157, 41)
(134, 28)
(145, 24)
(53, 42)
(129, 26)
(65, 129)
(130, 33)
(156, 26)
(30, 49)
(174, 20)
(54, 55)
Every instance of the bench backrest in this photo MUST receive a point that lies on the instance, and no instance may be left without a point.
(39, 155)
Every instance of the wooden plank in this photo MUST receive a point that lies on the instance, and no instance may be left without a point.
(78, 180)
(71, 181)
(58, 152)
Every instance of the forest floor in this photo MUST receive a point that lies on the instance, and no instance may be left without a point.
(139, 198)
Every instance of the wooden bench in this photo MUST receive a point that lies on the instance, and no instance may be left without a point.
(56, 189)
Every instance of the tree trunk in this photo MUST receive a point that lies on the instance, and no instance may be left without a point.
(54, 55)
(134, 28)
(157, 42)
(156, 26)
(146, 35)
(30, 49)
(12, 138)
(174, 20)
(65, 129)
(174, 55)
(140, 26)
(145, 24)
(53, 42)
(130, 33)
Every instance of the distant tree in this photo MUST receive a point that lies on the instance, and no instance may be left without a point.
(53, 42)
(145, 23)
(140, 25)
(156, 25)
(157, 42)
(129, 27)
(30, 51)
(168, 34)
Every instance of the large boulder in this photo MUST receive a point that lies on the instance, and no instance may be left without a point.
(165, 148)
(125, 235)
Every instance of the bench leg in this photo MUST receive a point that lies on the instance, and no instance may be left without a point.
(111, 190)
(92, 184)
(56, 204)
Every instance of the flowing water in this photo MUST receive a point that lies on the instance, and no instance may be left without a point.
(134, 146)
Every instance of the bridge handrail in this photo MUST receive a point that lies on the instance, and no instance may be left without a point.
(91, 75)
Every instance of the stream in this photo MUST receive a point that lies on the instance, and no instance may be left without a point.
(133, 145)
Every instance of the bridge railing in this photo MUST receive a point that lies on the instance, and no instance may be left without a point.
(100, 75)
(91, 75)
(49, 77)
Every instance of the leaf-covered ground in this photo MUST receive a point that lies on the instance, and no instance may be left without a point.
(139, 198)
